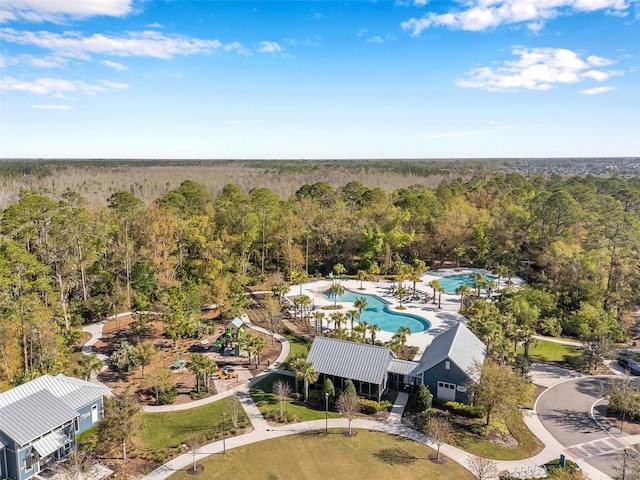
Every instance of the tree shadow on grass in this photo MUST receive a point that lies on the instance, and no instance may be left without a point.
(395, 456)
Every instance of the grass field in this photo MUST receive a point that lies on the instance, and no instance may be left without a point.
(298, 348)
(170, 429)
(269, 405)
(546, 351)
(315, 456)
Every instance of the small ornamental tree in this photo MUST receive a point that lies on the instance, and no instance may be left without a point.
(282, 390)
(350, 388)
(348, 406)
(441, 431)
(482, 468)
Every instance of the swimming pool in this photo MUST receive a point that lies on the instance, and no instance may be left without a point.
(378, 311)
(452, 282)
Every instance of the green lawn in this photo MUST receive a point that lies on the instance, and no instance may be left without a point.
(298, 347)
(316, 456)
(170, 429)
(546, 351)
(269, 405)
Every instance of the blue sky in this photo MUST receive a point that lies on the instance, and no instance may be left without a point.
(330, 79)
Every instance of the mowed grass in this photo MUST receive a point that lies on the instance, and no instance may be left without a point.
(299, 347)
(270, 406)
(316, 456)
(548, 352)
(170, 429)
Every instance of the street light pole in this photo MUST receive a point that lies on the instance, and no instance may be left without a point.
(326, 412)
(224, 444)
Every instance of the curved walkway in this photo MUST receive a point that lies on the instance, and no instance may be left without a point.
(263, 431)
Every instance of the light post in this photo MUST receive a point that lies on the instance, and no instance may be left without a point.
(624, 463)
(224, 445)
(326, 412)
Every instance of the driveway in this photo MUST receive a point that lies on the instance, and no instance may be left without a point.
(565, 411)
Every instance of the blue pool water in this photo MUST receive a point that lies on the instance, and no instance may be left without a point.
(377, 311)
(452, 282)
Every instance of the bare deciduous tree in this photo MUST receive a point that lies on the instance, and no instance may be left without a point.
(282, 390)
(348, 406)
(482, 468)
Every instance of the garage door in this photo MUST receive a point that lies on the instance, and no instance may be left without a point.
(446, 391)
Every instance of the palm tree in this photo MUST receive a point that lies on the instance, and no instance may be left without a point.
(335, 290)
(338, 318)
(373, 328)
(296, 364)
(401, 336)
(463, 290)
(441, 290)
(299, 277)
(362, 276)
(360, 304)
(490, 286)
(319, 317)
(478, 280)
(308, 374)
(414, 277)
(502, 271)
(145, 352)
(87, 365)
(352, 315)
(304, 302)
(280, 288)
(401, 292)
(197, 366)
(435, 284)
(338, 269)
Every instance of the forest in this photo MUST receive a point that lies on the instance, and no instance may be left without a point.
(67, 259)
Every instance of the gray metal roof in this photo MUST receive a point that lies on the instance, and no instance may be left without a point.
(459, 345)
(404, 367)
(50, 443)
(31, 417)
(75, 392)
(357, 361)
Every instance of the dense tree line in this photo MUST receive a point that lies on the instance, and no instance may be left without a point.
(65, 261)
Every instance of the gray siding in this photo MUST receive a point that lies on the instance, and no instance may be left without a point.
(84, 414)
(438, 373)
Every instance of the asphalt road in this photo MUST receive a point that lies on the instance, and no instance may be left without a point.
(564, 410)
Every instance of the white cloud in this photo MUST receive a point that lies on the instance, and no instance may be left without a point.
(132, 44)
(115, 65)
(480, 15)
(52, 107)
(537, 69)
(154, 25)
(59, 10)
(58, 87)
(362, 32)
(376, 39)
(596, 91)
(270, 47)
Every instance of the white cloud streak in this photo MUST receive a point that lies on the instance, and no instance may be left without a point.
(58, 87)
(51, 107)
(537, 69)
(59, 10)
(596, 90)
(115, 65)
(132, 44)
(270, 47)
(481, 15)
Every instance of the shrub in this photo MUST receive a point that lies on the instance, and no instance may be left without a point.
(385, 405)
(167, 397)
(424, 398)
(369, 407)
(125, 357)
(462, 409)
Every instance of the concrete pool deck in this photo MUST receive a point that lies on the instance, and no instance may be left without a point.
(441, 319)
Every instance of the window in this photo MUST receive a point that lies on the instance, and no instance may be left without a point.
(76, 424)
(447, 365)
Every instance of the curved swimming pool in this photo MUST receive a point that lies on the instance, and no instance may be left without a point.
(451, 282)
(378, 312)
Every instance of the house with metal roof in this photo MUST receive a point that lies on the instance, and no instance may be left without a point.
(40, 419)
(446, 365)
(451, 361)
(366, 365)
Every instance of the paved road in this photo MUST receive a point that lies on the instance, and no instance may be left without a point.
(565, 410)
